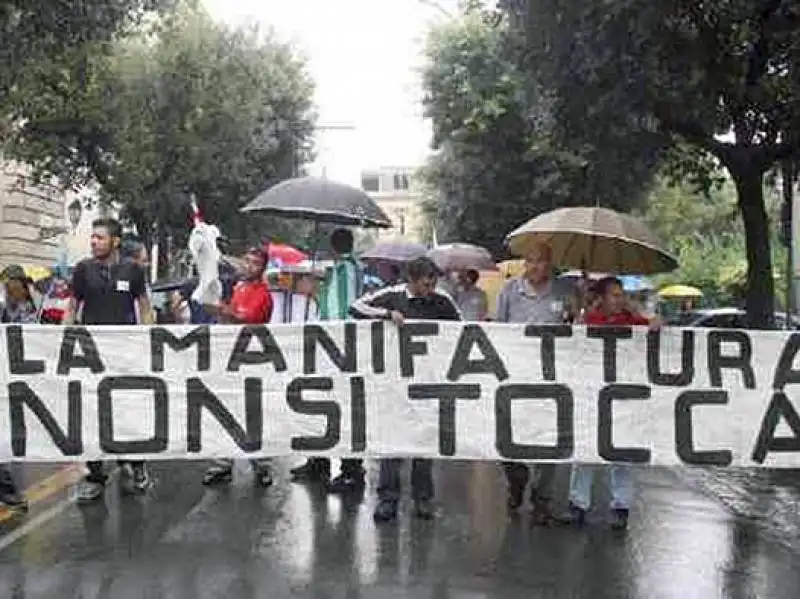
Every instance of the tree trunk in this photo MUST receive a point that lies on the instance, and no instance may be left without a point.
(760, 297)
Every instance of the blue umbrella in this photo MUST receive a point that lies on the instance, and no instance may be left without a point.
(635, 283)
(371, 281)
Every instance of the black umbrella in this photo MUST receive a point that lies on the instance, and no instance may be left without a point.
(170, 284)
(322, 201)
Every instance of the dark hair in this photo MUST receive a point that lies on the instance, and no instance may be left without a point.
(130, 248)
(419, 268)
(603, 285)
(473, 276)
(257, 251)
(109, 224)
(342, 241)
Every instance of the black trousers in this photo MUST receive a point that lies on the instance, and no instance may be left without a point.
(96, 474)
(350, 467)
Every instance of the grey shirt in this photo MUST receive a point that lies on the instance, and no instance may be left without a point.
(472, 303)
(518, 302)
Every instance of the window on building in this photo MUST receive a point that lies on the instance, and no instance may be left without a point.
(401, 182)
(370, 183)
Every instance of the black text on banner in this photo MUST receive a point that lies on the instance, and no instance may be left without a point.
(369, 389)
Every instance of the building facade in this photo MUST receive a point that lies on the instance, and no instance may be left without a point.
(40, 225)
(394, 190)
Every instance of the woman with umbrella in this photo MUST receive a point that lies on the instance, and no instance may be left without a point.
(462, 261)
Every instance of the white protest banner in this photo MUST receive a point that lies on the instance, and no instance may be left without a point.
(428, 389)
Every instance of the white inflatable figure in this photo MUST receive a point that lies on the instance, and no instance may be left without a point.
(206, 257)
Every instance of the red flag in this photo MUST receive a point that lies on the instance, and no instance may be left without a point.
(197, 216)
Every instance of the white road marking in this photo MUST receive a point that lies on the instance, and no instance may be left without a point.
(44, 517)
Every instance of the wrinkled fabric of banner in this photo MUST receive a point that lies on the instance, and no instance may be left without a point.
(369, 389)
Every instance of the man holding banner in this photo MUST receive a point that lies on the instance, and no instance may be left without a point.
(342, 285)
(251, 303)
(418, 299)
(534, 298)
(109, 291)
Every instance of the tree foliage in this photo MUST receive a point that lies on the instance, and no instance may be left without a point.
(496, 164)
(680, 73)
(37, 32)
(704, 231)
(184, 106)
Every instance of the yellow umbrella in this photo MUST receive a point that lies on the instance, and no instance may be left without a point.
(37, 273)
(680, 291)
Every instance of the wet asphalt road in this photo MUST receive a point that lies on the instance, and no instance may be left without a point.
(184, 541)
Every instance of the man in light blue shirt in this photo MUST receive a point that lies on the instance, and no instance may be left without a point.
(534, 298)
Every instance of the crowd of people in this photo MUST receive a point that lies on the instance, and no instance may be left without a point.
(111, 287)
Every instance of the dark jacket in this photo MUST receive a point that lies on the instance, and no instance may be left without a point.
(380, 304)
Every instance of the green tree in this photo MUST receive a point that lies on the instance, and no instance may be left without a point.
(185, 106)
(683, 73)
(705, 232)
(495, 164)
(37, 32)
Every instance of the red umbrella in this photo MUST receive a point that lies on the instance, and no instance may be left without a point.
(282, 253)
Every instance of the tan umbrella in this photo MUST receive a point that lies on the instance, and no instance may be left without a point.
(461, 256)
(594, 239)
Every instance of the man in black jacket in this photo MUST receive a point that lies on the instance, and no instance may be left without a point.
(417, 300)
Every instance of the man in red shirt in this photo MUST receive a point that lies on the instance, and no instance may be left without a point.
(611, 310)
(251, 303)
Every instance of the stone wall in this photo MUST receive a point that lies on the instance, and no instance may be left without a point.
(24, 212)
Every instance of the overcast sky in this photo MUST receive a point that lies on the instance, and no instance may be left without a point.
(363, 55)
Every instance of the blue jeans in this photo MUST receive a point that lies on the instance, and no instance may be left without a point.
(421, 479)
(620, 483)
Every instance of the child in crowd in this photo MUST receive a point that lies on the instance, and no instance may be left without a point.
(609, 308)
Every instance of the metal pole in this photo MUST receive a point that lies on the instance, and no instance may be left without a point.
(787, 180)
(154, 254)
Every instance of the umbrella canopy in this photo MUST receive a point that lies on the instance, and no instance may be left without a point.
(635, 283)
(596, 239)
(461, 256)
(680, 291)
(394, 251)
(283, 253)
(34, 273)
(322, 201)
(170, 284)
(575, 275)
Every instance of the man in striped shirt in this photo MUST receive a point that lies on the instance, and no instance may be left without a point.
(341, 287)
(419, 299)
